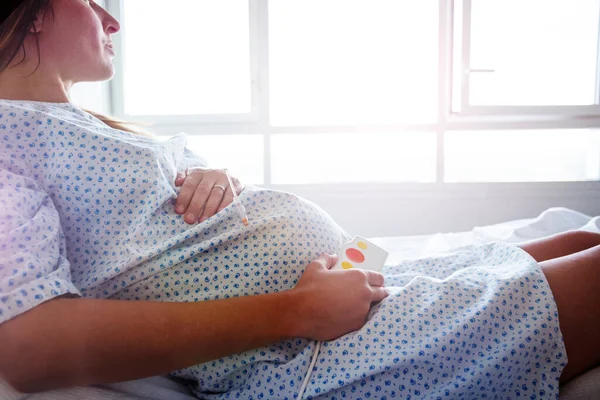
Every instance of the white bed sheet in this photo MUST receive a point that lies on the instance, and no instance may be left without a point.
(551, 221)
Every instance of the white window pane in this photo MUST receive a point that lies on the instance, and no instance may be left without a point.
(242, 155)
(353, 61)
(353, 157)
(522, 156)
(187, 57)
(543, 52)
(91, 95)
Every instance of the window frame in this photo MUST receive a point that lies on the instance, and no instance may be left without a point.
(462, 11)
(117, 93)
(257, 122)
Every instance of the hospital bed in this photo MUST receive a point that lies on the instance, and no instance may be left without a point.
(551, 221)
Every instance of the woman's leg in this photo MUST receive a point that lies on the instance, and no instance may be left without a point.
(575, 283)
(561, 244)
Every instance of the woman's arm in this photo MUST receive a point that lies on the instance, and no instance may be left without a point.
(48, 341)
(74, 341)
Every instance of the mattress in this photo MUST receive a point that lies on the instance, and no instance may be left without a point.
(551, 221)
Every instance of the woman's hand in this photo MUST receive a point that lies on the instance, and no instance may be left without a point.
(333, 303)
(204, 193)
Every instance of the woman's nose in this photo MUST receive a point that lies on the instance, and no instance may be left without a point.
(111, 25)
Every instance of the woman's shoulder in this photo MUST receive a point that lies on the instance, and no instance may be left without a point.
(28, 107)
(22, 119)
(20, 116)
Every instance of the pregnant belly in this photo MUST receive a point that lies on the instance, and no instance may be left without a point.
(227, 259)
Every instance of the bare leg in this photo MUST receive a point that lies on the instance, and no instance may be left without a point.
(561, 244)
(575, 283)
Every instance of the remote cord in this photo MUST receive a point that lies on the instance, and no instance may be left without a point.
(312, 364)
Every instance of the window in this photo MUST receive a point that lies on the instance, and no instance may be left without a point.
(242, 155)
(348, 62)
(191, 57)
(353, 157)
(523, 156)
(532, 53)
(385, 92)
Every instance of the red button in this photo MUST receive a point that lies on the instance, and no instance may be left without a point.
(355, 255)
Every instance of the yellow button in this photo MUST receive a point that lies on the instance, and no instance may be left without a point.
(346, 265)
(362, 245)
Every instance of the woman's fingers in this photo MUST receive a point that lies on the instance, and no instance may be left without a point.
(327, 260)
(215, 198)
(180, 178)
(184, 200)
(227, 199)
(324, 261)
(379, 293)
(374, 278)
(204, 193)
(331, 260)
(238, 186)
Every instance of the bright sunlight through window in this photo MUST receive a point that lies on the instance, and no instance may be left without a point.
(354, 94)
(346, 62)
(190, 57)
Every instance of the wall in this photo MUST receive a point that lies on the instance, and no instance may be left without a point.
(419, 213)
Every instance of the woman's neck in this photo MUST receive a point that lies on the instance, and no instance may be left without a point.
(17, 83)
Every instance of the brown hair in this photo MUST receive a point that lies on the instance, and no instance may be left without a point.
(13, 33)
(127, 126)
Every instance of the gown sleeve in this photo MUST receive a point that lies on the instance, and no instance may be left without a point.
(191, 159)
(33, 262)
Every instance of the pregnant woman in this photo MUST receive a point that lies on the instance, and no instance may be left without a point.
(104, 278)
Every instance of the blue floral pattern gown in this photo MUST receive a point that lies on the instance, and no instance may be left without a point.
(89, 210)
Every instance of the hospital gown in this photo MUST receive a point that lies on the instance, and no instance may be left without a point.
(88, 210)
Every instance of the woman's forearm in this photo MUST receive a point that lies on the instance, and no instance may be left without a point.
(71, 342)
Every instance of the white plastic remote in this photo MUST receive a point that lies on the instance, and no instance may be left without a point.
(361, 254)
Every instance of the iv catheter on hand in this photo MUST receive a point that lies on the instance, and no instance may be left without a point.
(236, 199)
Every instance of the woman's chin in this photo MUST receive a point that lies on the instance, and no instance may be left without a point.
(105, 73)
(102, 72)
(109, 71)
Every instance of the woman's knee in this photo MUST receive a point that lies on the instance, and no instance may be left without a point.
(583, 238)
